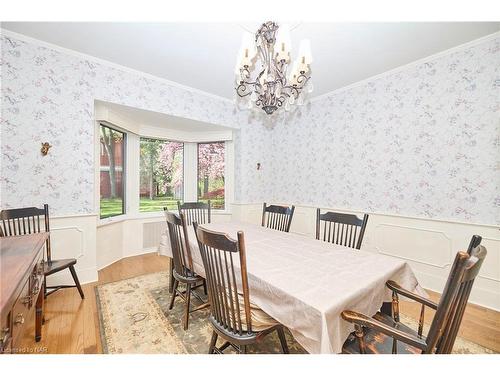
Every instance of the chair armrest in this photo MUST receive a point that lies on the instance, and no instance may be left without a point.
(365, 321)
(395, 287)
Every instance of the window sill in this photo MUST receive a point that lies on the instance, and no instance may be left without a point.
(147, 215)
(157, 214)
(112, 220)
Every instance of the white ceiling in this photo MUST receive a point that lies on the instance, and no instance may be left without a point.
(203, 55)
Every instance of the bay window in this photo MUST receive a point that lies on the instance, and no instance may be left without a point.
(141, 174)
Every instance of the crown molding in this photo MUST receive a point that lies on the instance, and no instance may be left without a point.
(81, 55)
(401, 68)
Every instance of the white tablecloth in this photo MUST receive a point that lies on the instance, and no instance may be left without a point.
(305, 284)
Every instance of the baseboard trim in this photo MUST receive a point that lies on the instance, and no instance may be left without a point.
(134, 254)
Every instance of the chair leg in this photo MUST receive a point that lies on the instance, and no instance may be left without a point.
(171, 283)
(174, 294)
(360, 337)
(213, 341)
(77, 282)
(188, 302)
(205, 287)
(281, 335)
(44, 287)
(244, 349)
(225, 346)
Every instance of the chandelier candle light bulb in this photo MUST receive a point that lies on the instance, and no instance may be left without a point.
(305, 52)
(271, 87)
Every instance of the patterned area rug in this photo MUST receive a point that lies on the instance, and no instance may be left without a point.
(134, 318)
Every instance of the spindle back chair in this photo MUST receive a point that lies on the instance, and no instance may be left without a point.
(195, 211)
(277, 217)
(340, 229)
(377, 333)
(30, 220)
(225, 264)
(183, 265)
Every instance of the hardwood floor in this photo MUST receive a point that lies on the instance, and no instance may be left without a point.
(72, 324)
(479, 325)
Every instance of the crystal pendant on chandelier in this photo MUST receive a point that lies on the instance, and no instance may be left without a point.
(270, 87)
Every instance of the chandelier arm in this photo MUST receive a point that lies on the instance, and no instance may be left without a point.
(253, 83)
(240, 90)
(281, 69)
(295, 91)
(302, 79)
(281, 100)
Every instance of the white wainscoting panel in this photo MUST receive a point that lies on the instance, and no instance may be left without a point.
(74, 237)
(433, 247)
(491, 269)
(109, 245)
(67, 242)
(152, 233)
(134, 236)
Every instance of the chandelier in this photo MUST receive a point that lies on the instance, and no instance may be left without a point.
(270, 88)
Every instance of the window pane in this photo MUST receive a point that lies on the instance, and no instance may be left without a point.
(211, 173)
(112, 154)
(161, 174)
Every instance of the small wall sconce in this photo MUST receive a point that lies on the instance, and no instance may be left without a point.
(45, 148)
(258, 166)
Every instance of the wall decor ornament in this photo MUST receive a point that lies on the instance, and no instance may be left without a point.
(45, 148)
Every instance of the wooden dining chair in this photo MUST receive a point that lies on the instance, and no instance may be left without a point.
(183, 266)
(383, 334)
(233, 317)
(340, 229)
(278, 217)
(195, 211)
(29, 220)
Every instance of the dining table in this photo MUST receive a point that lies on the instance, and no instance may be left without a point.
(305, 283)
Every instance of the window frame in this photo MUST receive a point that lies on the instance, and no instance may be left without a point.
(198, 172)
(124, 171)
(183, 169)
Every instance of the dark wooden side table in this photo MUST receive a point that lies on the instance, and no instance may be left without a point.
(21, 292)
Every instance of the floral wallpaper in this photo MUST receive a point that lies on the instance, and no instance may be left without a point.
(253, 146)
(421, 142)
(424, 141)
(49, 96)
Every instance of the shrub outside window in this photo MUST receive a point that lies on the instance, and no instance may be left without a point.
(161, 174)
(211, 168)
